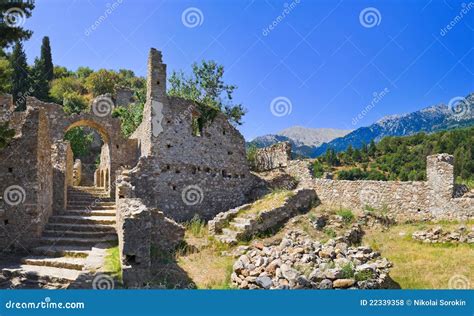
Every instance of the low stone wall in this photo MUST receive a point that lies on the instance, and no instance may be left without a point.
(222, 219)
(141, 231)
(462, 234)
(273, 157)
(412, 200)
(301, 201)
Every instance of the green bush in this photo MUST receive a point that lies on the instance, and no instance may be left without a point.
(347, 270)
(73, 102)
(347, 215)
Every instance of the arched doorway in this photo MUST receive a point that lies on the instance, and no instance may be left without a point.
(90, 144)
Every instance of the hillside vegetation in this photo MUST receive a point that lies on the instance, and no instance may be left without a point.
(401, 158)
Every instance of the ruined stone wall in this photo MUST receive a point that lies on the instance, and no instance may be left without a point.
(123, 152)
(273, 157)
(433, 198)
(62, 162)
(25, 181)
(182, 173)
(142, 231)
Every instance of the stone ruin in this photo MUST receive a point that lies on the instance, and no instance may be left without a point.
(272, 157)
(164, 173)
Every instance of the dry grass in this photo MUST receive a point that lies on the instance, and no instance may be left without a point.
(422, 266)
(269, 201)
(208, 268)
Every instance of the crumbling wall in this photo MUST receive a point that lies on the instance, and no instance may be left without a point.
(181, 172)
(25, 181)
(62, 162)
(273, 157)
(123, 152)
(141, 232)
(433, 198)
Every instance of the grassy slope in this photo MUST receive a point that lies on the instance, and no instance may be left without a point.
(422, 266)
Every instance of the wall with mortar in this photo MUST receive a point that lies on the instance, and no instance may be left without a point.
(433, 198)
(26, 178)
(273, 157)
(182, 173)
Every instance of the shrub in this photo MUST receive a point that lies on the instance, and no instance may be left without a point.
(196, 226)
(347, 270)
(347, 215)
(73, 102)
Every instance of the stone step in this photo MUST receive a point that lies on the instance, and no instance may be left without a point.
(89, 213)
(62, 251)
(77, 241)
(61, 262)
(87, 204)
(229, 232)
(88, 197)
(105, 208)
(81, 227)
(239, 226)
(241, 220)
(226, 239)
(75, 234)
(42, 273)
(69, 219)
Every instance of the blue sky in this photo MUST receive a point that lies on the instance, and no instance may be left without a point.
(325, 58)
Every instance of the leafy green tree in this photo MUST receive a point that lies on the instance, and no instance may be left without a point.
(6, 73)
(80, 141)
(20, 77)
(61, 72)
(83, 72)
(207, 88)
(252, 155)
(64, 85)
(318, 169)
(73, 102)
(102, 82)
(6, 134)
(131, 116)
(11, 28)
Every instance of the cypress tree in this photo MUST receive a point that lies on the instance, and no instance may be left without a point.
(46, 59)
(39, 82)
(20, 79)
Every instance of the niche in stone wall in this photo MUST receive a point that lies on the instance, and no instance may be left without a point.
(196, 125)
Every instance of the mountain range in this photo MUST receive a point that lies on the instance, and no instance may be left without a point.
(312, 142)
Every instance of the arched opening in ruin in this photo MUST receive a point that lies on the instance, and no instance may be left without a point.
(90, 145)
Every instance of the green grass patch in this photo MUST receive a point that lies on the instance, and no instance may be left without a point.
(346, 214)
(112, 263)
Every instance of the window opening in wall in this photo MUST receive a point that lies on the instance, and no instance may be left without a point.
(10, 169)
(197, 126)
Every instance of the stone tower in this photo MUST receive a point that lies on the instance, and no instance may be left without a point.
(156, 77)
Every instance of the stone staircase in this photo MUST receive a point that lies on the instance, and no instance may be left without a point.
(235, 231)
(66, 245)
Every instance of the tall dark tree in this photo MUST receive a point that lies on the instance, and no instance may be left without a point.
(47, 59)
(20, 77)
(39, 81)
(12, 17)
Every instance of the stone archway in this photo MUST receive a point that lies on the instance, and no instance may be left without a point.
(117, 151)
